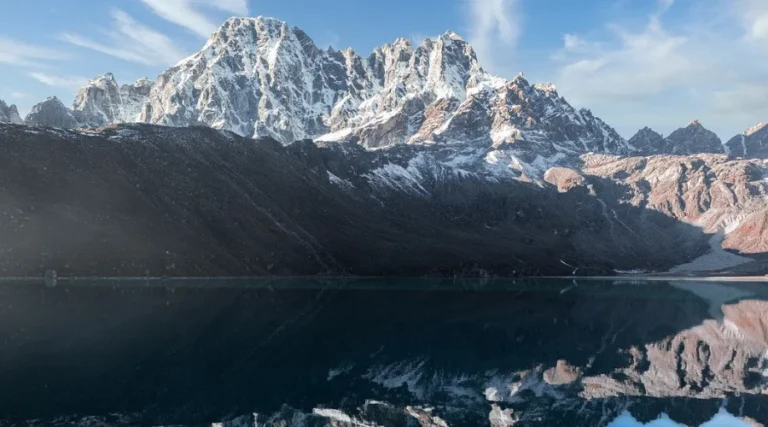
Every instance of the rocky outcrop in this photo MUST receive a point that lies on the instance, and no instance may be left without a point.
(564, 179)
(714, 192)
(9, 114)
(562, 374)
(51, 113)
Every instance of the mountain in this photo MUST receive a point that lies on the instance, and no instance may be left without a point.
(648, 142)
(410, 144)
(102, 101)
(723, 196)
(138, 199)
(693, 139)
(751, 144)
(9, 114)
(51, 113)
(141, 199)
(260, 77)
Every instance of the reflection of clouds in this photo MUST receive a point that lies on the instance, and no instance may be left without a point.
(722, 419)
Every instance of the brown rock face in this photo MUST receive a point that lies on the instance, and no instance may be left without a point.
(564, 178)
(713, 359)
(563, 373)
(718, 194)
(751, 234)
(434, 117)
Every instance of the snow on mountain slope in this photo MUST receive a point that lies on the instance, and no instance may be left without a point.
(751, 144)
(102, 101)
(51, 113)
(260, 77)
(9, 114)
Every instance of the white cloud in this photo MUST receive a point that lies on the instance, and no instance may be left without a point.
(187, 14)
(495, 29)
(18, 95)
(238, 7)
(330, 39)
(640, 64)
(665, 4)
(59, 81)
(131, 41)
(14, 52)
(709, 64)
(743, 99)
(754, 16)
(572, 42)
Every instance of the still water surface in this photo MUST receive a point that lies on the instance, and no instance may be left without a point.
(545, 352)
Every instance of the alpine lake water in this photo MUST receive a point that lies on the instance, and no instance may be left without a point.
(373, 352)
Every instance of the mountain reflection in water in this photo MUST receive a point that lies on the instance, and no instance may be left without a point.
(362, 352)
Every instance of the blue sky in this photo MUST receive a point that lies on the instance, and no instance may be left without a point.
(660, 63)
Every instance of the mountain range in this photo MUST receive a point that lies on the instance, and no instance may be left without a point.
(412, 149)
(260, 77)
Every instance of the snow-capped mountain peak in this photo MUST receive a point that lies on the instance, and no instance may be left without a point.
(261, 77)
(755, 129)
(9, 113)
(752, 143)
(102, 101)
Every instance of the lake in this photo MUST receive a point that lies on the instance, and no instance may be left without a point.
(370, 352)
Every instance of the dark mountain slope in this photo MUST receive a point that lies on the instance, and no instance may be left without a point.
(141, 199)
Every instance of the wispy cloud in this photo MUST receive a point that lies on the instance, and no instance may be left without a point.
(329, 39)
(642, 64)
(64, 82)
(14, 52)
(754, 16)
(18, 95)
(665, 4)
(131, 41)
(743, 100)
(495, 28)
(238, 7)
(708, 62)
(187, 13)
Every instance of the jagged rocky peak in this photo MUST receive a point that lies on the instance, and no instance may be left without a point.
(96, 102)
(257, 77)
(103, 101)
(753, 143)
(693, 139)
(648, 142)
(51, 113)
(261, 77)
(9, 114)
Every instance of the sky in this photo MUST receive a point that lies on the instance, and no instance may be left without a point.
(634, 63)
